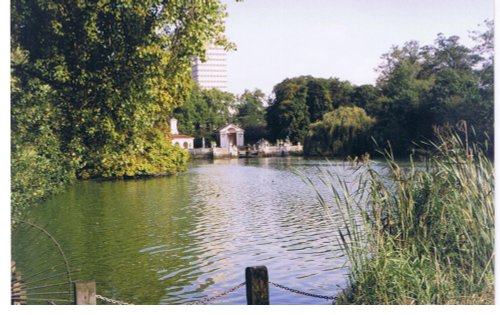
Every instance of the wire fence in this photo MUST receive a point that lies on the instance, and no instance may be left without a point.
(207, 300)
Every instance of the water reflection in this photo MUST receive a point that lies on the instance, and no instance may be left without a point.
(178, 239)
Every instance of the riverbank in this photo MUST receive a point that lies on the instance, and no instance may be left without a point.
(247, 152)
(423, 236)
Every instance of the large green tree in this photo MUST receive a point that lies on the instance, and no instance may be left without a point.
(463, 87)
(418, 88)
(108, 73)
(301, 100)
(343, 131)
(118, 68)
(251, 115)
(401, 117)
(441, 84)
(319, 98)
(38, 166)
(288, 115)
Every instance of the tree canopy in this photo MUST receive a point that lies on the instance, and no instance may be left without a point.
(101, 79)
(418, 88)
(341, 132)
(251, 115)
(204, 111)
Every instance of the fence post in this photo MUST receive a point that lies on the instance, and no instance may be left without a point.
(85, 292)
(257, 285)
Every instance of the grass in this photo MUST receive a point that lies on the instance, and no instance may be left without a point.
(419, 234)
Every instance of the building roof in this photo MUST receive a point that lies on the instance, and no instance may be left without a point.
(230, 126)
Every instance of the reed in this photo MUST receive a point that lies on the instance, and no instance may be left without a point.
(419, 234)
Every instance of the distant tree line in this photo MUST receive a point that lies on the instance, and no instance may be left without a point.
(207, 110)
(418, 88)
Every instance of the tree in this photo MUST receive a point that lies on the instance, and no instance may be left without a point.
(341, 132)
(204, 112)
(38, 166)
(365, 96)
(462, 90)
(340, 92)
(435, 85)
(484, 49)
(318, 100)
(117, 69)
(305, 99)
(252, 115)
(288, 114)
(401, 117)
(417, 89)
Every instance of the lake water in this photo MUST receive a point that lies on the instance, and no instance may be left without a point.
(175, 240)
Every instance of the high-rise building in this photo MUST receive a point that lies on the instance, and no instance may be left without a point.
(213, 72)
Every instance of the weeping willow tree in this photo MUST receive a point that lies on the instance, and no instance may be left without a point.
(343, 131)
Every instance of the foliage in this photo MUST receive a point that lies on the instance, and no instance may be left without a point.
(365, 96)
(401, 117)
(434, 85)
(417, 88)
(319, 98)
(303, 100)
(118, 68)
(39, 167)
(462, 88)
(204, 112)
(251, 115)
(288, 115)
(342, 132)
(97, 84)
(420, 235)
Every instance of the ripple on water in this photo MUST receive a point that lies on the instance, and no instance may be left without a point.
(177, 239)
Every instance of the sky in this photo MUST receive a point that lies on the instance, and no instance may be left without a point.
(281, 39)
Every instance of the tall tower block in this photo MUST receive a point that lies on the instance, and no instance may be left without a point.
(213, 72)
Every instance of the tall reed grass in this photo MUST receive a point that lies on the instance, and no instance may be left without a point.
(421, 234)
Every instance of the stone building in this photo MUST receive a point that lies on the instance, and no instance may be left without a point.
(230, 136)
(183, 141)
(213, 72)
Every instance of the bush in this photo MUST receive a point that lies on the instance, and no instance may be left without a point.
(38, 165)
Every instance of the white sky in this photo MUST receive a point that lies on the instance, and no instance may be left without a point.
(277, 39)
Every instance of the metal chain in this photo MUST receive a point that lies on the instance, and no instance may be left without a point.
(208, 299)
(111, 300)
(326, 297)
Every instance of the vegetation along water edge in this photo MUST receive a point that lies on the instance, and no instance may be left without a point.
(419, 235)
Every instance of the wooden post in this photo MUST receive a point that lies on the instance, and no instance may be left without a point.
(18, 291)
(85, 292)
(257, 283)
